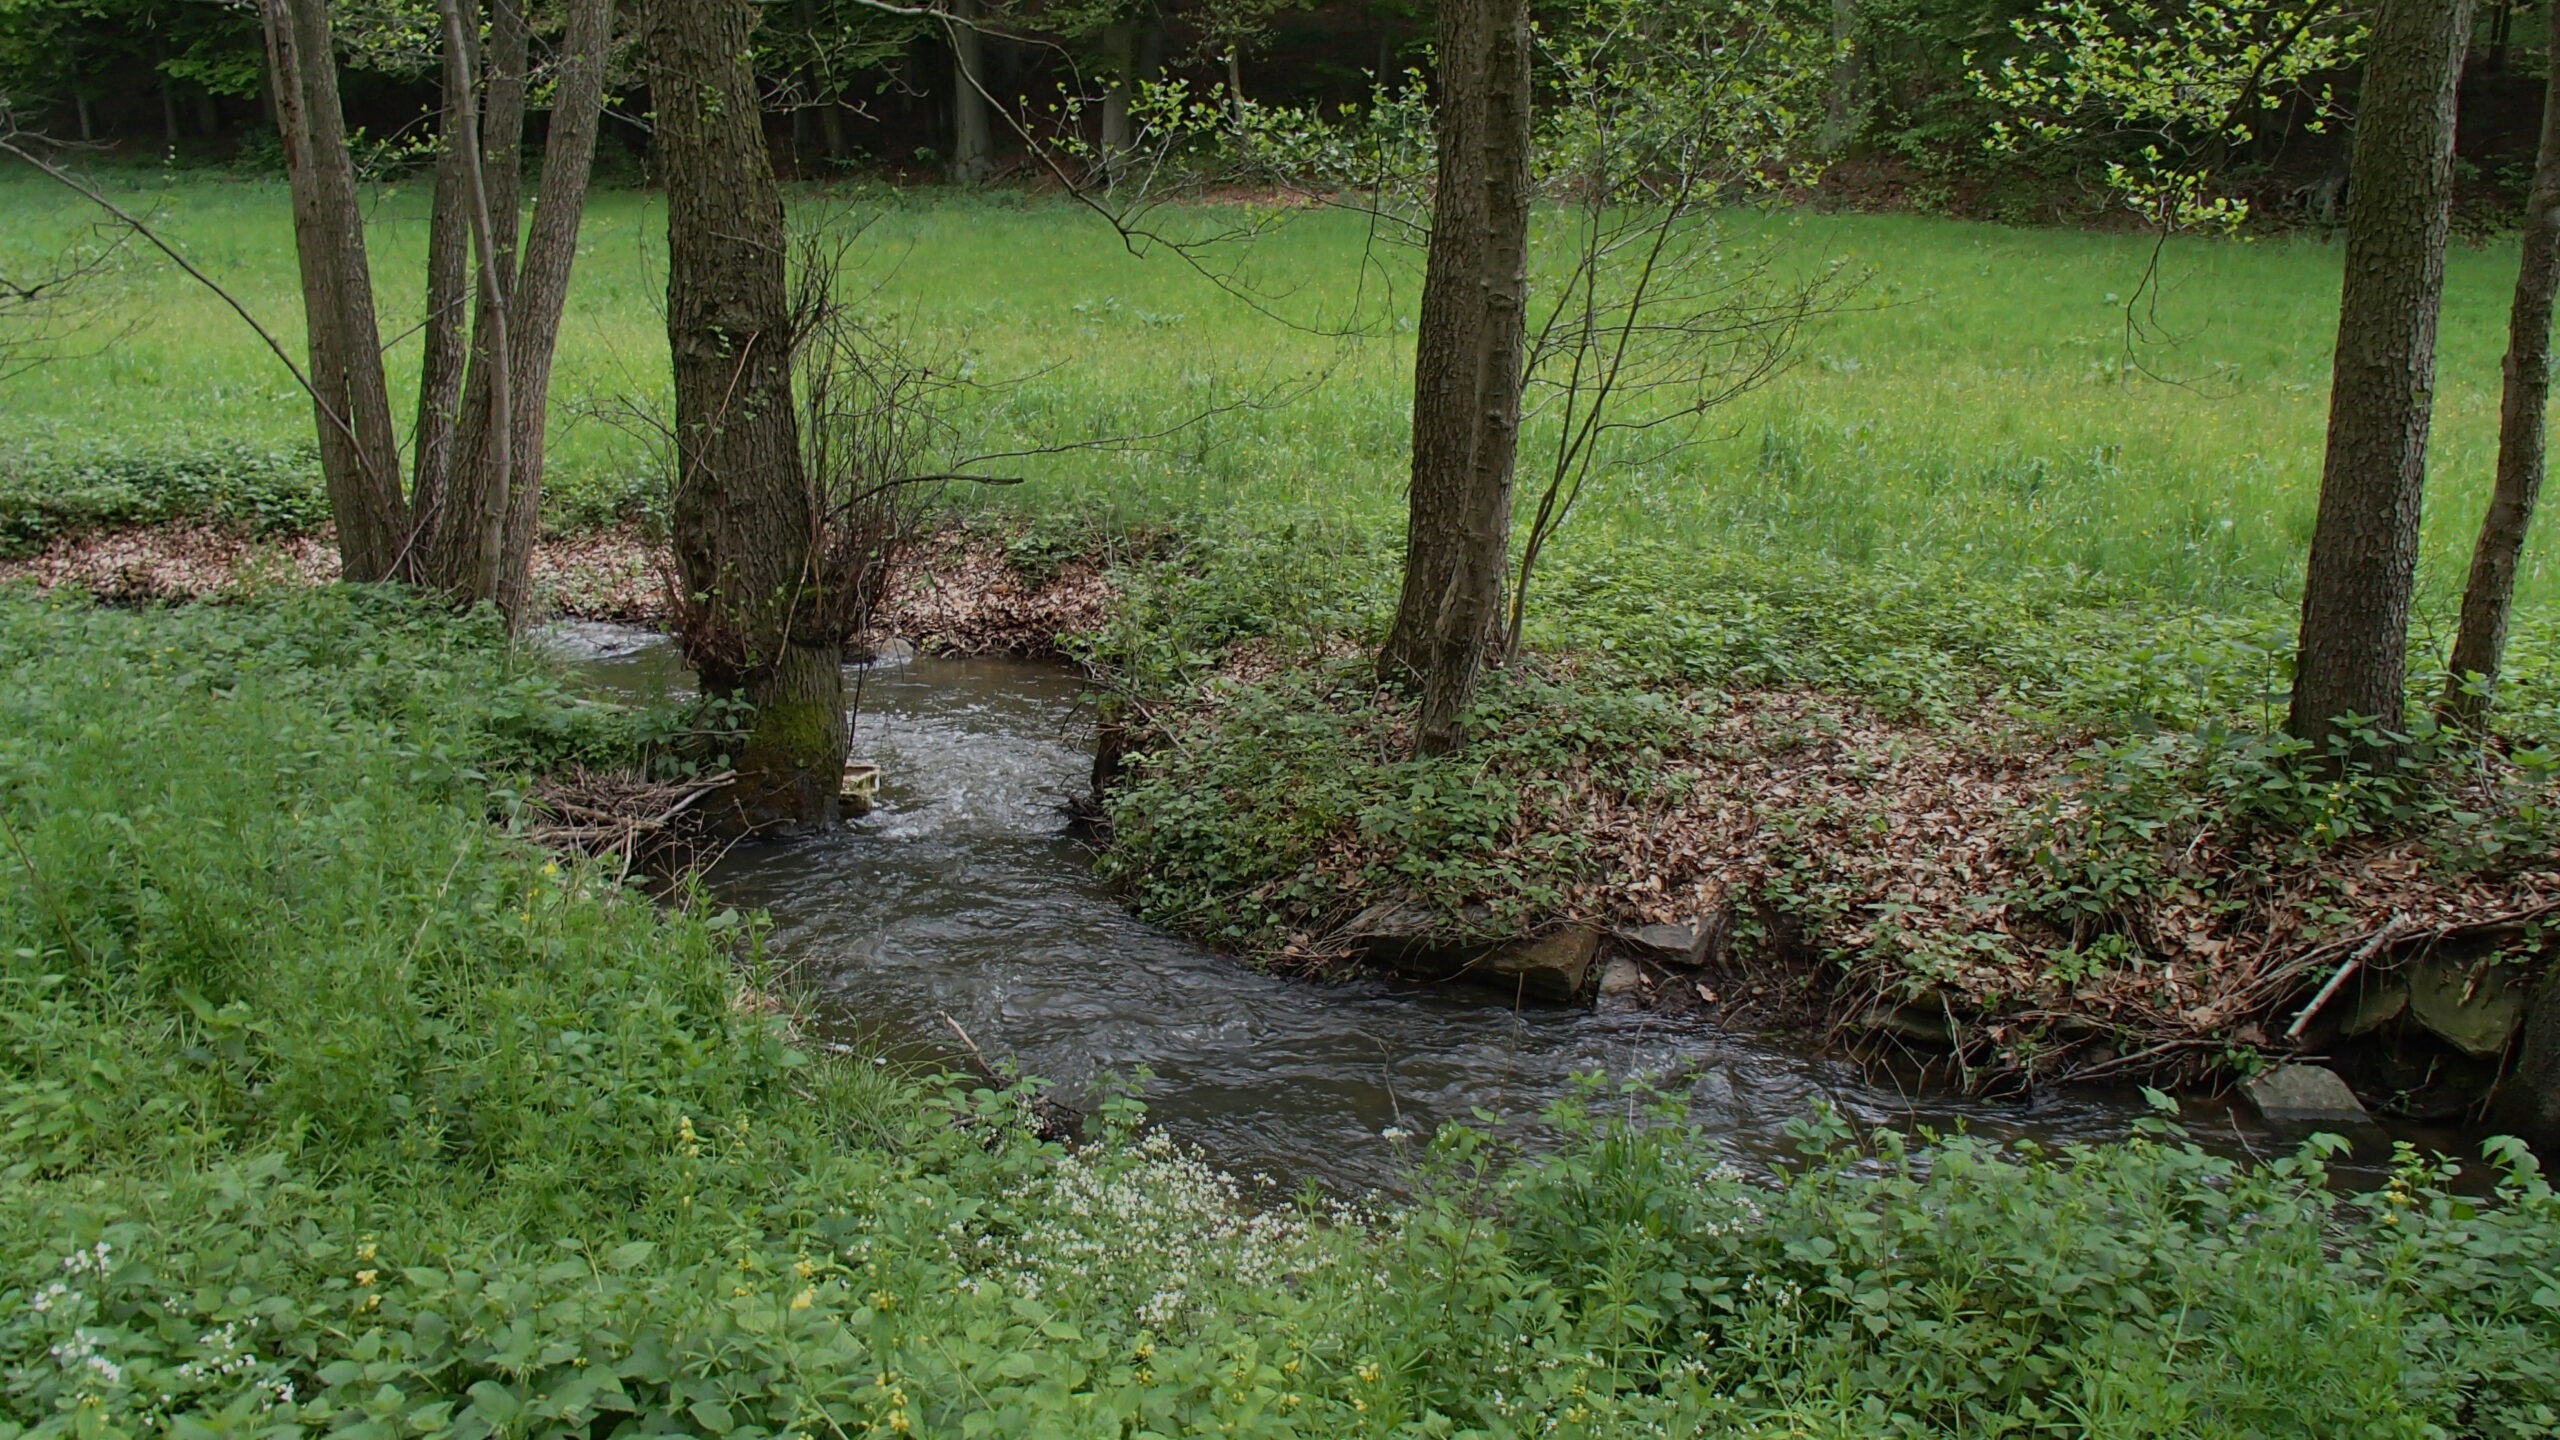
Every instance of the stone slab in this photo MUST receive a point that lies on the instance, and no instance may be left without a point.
(2475, 1008)
(2304, 1094)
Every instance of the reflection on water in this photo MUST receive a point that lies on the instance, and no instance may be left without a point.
(962, 895)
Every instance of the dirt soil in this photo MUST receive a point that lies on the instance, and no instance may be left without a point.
(960, 593)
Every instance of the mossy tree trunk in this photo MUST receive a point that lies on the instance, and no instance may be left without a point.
(2353, 652)
(745, 517)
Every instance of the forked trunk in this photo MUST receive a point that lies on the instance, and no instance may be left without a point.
(462, 537)
(1466, 368)
(2481, 643)
(2353, 657)
(479, 500)
(744, 515)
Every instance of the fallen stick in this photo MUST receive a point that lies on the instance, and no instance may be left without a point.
(2364, 952)
(705, 788)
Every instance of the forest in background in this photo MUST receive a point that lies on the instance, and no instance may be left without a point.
(855, 89)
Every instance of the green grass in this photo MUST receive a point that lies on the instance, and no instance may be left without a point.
(1983, 415)
(327, 1108)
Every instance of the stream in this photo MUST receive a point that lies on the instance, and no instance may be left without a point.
(962, 895)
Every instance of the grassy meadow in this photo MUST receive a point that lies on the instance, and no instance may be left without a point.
(1979, 410)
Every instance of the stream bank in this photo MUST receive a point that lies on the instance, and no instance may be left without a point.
(963, 904)
(1970, 836)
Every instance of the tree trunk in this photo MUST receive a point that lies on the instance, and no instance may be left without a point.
(2481, 642)
(444, 337)
(1843, 107)
(464, 536)
(542, 281)
(972, 138)
(463, 547)
(359, 455)
(2353, 651)
(831, 125)
(1466, 365)
(481, 513)
(168, 91)
(745, 517)
(1120, 48)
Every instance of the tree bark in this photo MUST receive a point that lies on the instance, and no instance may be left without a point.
(542, 284)
(972, 136)
(2353, 651)
(744, 515)
(2480, 644)
(463, 537)
(479, 510)
(1843, 107)
(359, 455)
(1120, 50)
(464, 551)
(445, 346)
(1466, 367)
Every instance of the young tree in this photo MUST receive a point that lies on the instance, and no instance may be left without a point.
(747, 523)
(2352, 654)
(1649, 313)
(1467, 364)
(2481, 641)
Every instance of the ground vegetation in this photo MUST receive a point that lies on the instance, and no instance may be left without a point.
(376, 1114)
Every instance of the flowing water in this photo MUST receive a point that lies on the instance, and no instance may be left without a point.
(962, 896)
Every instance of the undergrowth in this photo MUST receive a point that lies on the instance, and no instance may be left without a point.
(2108, 777)
(68, 492)
(326, 1107)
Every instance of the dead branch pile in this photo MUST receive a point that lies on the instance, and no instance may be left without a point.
(654, 826)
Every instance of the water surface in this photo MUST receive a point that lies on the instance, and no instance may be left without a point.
(963, 896)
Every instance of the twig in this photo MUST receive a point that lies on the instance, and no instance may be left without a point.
(984, 1067)
(2353, 962)
(136, 225)
(705, 788)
